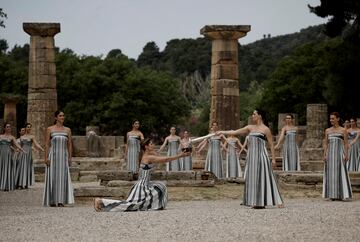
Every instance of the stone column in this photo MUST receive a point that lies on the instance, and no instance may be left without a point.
(42, 96)
(225, 106)
(316, 123)
(10, 102)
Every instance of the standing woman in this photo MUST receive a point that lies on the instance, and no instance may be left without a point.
(132, 150)
(354, 142)
(214, 160)
(233, 168)
(186, 162)
(7, 163)
(173, 142)
(145, 194)
(291, 160)
(24, 175)
(336, 179)
(261, 188)
(58, 151)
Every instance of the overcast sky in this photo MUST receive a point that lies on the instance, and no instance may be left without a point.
(94, 27)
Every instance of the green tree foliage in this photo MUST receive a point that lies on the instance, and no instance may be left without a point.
(113, 92)
(314, 73)
(14, 76)
(150, 56)
(343, 13)
(3, 16)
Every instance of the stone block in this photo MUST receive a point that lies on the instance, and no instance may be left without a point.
(224, 71)
(42, 81)
(106, 176)
(42, 55)
(40, 42)
(42, 68)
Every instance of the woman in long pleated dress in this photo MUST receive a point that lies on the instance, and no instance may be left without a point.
(291, 157)
(233, 168)
(132, 149)
(186, 162)
(24, 175)
(261, 188)
(145, 194)
(214, 159)
(7, 162)
(336, 184)
(58, 189)
(354, 142)
(173, 143)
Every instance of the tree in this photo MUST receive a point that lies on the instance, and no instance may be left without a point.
(344, 13)
(150, 56)
(2, 17)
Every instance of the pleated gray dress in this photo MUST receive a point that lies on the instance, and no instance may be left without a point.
(58, 187)
(133, 151)
(291, 160)
(173, 149)
(186, 162)
(261, 188)
(336, 183)
(214, 161)
(353, 163)
(24, 174)
(144, 195)
(7, 166)
(233, 168)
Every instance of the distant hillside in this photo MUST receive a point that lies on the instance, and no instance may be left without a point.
(190, 59)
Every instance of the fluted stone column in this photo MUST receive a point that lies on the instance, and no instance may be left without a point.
(10, 102)
(316, 123)
(42, 96)
(225, 106)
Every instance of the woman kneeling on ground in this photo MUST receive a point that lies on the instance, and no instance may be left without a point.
(145, 194)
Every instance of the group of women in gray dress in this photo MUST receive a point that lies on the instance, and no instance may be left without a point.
(16, 161)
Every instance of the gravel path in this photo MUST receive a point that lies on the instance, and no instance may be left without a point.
(22, 218)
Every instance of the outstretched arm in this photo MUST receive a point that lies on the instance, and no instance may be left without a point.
(163, 159)
(241, 131)
(202, 145)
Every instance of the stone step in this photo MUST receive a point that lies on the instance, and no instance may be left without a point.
(106, 176)
(98, 163)
(39, 172)
(311, 180)
(169, 183)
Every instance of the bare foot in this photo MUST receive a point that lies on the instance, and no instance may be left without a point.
(98, 204)
(281, 206)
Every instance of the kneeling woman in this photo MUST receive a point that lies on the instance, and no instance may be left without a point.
(145, 194)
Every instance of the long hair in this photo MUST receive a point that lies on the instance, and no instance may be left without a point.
(57, 112)
(263, 115)
(4, 127)
(143, 143)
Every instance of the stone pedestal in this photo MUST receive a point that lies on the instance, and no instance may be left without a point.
(10, 102)
(225, 106)
(316, 123)
(42, 96)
